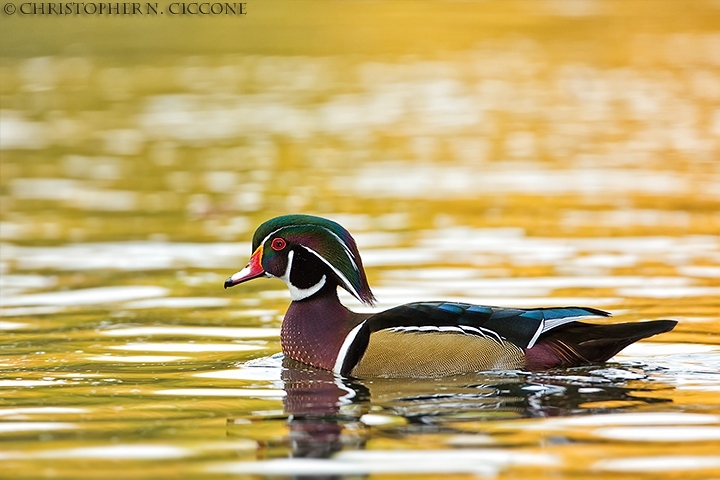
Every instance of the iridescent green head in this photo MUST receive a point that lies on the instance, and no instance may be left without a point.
(307, 253)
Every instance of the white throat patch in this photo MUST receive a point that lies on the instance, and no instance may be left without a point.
(300, 293)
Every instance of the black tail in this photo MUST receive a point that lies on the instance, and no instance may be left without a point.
(584, 343)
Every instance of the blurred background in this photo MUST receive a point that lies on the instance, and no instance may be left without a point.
(555, 116)
(516, 153)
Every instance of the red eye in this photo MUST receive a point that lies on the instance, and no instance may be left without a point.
(278, 244)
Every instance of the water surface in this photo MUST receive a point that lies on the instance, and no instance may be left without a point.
(504, 167)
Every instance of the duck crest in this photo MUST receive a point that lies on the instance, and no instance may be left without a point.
(329, 242)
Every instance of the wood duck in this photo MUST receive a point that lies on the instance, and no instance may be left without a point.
(313, 256)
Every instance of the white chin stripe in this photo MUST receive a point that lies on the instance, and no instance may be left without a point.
(300, 293)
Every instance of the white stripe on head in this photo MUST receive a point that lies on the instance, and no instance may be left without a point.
(273, 233)
(347, 250)
(343, 278)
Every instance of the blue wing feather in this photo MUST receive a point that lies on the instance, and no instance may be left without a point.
(519, 326)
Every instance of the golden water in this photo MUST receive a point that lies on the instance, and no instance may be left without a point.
(504, 153)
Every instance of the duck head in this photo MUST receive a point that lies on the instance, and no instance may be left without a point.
(308, 253)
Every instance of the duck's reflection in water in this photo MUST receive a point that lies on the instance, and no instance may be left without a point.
(319, 419)
(324, 414)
